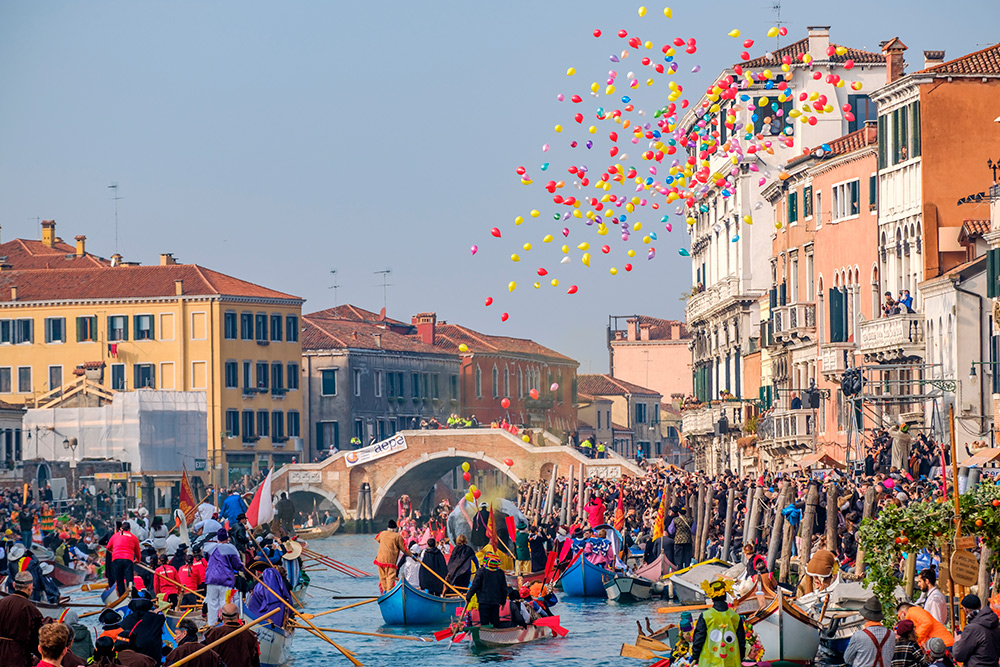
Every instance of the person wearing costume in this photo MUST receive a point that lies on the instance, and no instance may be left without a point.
(719, 637)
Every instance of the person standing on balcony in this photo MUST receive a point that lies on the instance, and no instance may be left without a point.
(796, 402)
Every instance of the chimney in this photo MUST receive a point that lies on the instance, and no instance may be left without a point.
(179, 287)
(81, 245)
(675, 331)
(13, 293)
(116, 259)
(894, 64)
(48, 232)
(425, 323)
(644, 331)
(167, 259)
(632, 327)
(819, 42)
(932, 58)
(378, 340)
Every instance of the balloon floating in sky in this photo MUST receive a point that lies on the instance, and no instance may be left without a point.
(475, 249)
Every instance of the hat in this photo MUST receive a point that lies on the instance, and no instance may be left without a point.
(561, 531)
(16, 552)
(872, 610)
(971, 601)
(904, 626)
(23, 578)
(47, 568)
(259, 565)
(222, 535)
(685, 623)
(823, 564)
(717, 588)
(293, 549)
(492, 563)
(241, 516)
(936, 647)
(109, 617)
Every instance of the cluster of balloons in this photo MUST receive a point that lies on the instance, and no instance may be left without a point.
(473, 493)
(671, 163)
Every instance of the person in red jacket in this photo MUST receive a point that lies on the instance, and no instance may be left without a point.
(124, 548)
(163, 581)
(192, 577)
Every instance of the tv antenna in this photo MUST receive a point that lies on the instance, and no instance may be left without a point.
(334, 286)
(385, 286)
(114, 188)
(777, 19)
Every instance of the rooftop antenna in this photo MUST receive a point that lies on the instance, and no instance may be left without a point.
(385, 286)
(114, 188)
(333, 272)
(777, 19)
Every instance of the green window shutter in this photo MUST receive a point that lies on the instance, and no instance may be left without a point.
(836, 316)
(79, 329)
(993, 273)
(882, 139)
(915, 114)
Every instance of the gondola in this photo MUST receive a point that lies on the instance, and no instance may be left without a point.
(488, 638)
(656, 569)
(685, 585)
(583, 579)
(785, 631)
(275, 643)
(405, 604)
(318, 532)
(68, 576)
(527, 578)
(623, 588)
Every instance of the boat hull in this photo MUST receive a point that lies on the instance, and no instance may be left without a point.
(785, 632)
(528, 578)
(685, 585)
(583, 579)
(406, 605)
(319, 532)
(67, 576)
(275, 644)
(654, 570)
(628, 589)
(495, 638)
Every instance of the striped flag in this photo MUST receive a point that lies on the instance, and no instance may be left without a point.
(659, 527)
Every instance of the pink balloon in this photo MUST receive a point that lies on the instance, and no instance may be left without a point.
(554, 387)
(475, 249)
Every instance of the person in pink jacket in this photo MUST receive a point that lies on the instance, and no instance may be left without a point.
(595, 511)
(124, 548)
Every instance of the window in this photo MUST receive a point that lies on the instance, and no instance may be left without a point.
(479, 382)
(6, 331)
(640, 413)
(506, 382)
(145, 376)
(277, 377)
(276, 327)
(454, 387)
(845, 200)
(359, 430)
(118, 377)
(771, 120)
(327, 434)
(55, 330)
(248, 427)
(293, 376)
(232, 375)
(247, 376)
(872, 192)
(261, 375)
(144, 327)
(230, 326)
(496, 383)
(232, 423)
(24, 331)
(294, 424)
(117, 328)
(278, 426)
(357, 381)
(810, 276)
(863, 109)
(883, 138)
(793, 207)
(5, 380)
(394, 385)
(246, 327)
(260, 327)
(415, 378)
(86, 329)
(292, 328)
(263, 424)
(598, 420)
(24, 379)
(520, 383)
(328, 378)
(807, 201)
(436, 387)
(819, 210)
(378, 383)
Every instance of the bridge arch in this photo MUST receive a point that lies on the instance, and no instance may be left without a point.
(301, 494)
(415, 478)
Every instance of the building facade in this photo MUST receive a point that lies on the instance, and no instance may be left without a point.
(650, 352)
(633, 408)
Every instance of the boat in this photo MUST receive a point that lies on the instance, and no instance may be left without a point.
(656, 569)
(685, 585)
(785, 631)
(405, 604)
(275, 643)
(583, 579)
(68, 576)
(527, 579)
(43, 554)
(493, 638)
(48, 610)
(628, 589)
(318, 532)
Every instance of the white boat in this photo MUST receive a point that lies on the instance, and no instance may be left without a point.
(275, 644)
(785, 631)
(628, 589)
(685, 585)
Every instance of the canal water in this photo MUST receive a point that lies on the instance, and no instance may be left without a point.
(597, 628)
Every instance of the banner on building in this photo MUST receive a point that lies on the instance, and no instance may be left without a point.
(396, 443)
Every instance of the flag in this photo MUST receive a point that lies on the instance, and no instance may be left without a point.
(187, 497)
(659, 527)
(620, 513)
(261, 508)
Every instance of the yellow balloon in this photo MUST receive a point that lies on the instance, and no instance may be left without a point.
(518, 220)
(515, 258)
(555, 282)
(648, 44)
(534, 213)
(565, 249)
(571, 71)
(547, 239)
(511, 286)
(734, 32)
(747, 219)
(592, 129)
(558, 128)
(631, 253)
(527, 246)
(637, 226)
(602, 230)
(594, 87)
(772, 32)
(668, 12)
(642, 11)
(614, 271)
(586, 259)
(583, 246)
(465, 467)
(647, 240)
(537, 285)
(526, 437)
(610, 90)
(463, 348)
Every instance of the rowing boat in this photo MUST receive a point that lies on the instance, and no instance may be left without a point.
(685, 585)
(318, 532)
(275, 643)
(785, 631)
(527, 579)
(659, 567)
(68, 576)
(405, 604)
(486, 638)
(628, 589)
(583, 579)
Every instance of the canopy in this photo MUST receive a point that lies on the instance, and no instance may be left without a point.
(981, 458)
(817, 460)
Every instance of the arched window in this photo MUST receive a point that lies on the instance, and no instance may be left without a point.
(479, 382)
(496, 383)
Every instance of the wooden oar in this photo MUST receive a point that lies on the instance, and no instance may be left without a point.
(312, 628)
(109, 605)
(690, 607)
(652, 644)
(94, 587)
(369, 634)
(348, 606)
(166, 578)
(242, 628)
(633, 651)
(336, 564)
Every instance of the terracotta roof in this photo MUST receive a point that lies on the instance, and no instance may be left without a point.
(450, 336)
(354, 314)
(322, 333)
(4, 405)
(799, 48)
(660, 329)
(605, 385)
(584, 397)
(127, 282)
(29, 254)
(985, 61)
(855, 141)
(975, 228)
(619, 427)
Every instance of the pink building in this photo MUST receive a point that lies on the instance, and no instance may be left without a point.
(650, 352)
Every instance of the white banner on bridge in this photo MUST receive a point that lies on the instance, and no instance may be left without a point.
(396, 443)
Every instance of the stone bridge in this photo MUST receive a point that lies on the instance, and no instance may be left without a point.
(431, 457)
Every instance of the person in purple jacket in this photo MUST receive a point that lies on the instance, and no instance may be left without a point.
(220, 575)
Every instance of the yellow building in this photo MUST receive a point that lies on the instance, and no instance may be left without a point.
(67, 315)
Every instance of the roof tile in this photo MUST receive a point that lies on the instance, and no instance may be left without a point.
(605, 385)
(324, 333)
(30, 254)
(450, 336)
(985, 61)
(797, 49)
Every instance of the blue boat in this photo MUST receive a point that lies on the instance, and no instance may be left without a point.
(583, 579)
(406, 605)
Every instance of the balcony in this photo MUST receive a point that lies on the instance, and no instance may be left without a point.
(703, 420)
(794, 323)
(701, 304)
(787, 430)
(834, 357)
(897, 338)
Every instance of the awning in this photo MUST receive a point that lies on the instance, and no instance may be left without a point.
(818, 460)
(981, 458)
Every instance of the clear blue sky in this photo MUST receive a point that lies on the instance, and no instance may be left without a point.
(278, 141)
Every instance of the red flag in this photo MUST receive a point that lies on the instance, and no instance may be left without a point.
(261, 508)
(620, 513)
(187, 497)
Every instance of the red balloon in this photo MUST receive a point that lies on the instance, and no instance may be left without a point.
(543, 272)
(623, 33)
(520, 171)
(467, 477)
(489, 301)
(508, 462)
(505, 403)
(534, 394)
(476, 494)
(747, 43)
(503, 318)
(634, 42)
(495, 232)
(605, 249)
(597, 33)
(572, 290)
(578, 117)
(628, 267)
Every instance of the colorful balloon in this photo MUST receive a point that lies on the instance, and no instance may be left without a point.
(554, 386)
(463, 348)
(533, 393)
(475, 249)
(508, 462)
(505, 403)
(465, 466)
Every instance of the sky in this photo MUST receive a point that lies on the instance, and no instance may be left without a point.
(278, 142)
